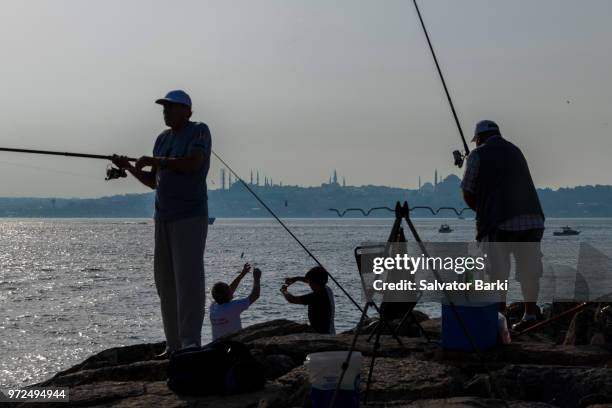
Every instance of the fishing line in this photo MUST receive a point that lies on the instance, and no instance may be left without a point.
(49, 169)
(314, 258)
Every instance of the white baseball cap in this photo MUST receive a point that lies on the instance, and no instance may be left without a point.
(484, 126)
(176, 96)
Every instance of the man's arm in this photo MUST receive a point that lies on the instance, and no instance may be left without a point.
(187, 164)
(145, 177)
(296, 300)
(256, 286)
(234, 285)
(291, 281)
(468, 184)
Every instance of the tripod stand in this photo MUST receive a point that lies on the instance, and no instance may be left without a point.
(402, 212)
(387, 308)
(396, 235)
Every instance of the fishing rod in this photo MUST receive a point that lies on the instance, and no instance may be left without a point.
(457, 155)
(314, 258)
(569, 312)
(114, 173)
(111, 172)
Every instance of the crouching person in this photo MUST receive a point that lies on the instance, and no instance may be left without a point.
(320, 302)
(225, 310)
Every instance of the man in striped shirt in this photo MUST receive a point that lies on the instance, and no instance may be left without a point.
(497, 185)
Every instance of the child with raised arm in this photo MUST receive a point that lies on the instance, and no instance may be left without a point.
(320, 302)
(225, 311)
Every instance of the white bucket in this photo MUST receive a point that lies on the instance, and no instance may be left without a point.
(324, 370)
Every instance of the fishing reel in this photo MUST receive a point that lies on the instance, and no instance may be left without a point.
(459, 158)
(113, 173)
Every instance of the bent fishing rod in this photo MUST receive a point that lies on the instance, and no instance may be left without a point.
(457, 155)
(115, 173)
(111, 172)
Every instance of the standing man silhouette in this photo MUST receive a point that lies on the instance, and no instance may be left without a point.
(497, 184)
(178, 170)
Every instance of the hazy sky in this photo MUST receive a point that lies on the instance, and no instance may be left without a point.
(298, 88)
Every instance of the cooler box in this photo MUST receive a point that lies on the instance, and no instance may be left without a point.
(324, 370)
(480, 319)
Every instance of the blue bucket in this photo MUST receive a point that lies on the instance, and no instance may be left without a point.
(480, 319)
(344, 399)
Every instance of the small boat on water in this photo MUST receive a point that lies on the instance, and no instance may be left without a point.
(445, 229)
(566, 231)
(211, 220)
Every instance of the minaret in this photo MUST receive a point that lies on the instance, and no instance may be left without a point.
(251, 176)
(271, 182)
(419, 183)
(222, 177)
(329, 180)
(335, 177)
(229, 182)
(436, 178)
(343, 181)
(257, 177)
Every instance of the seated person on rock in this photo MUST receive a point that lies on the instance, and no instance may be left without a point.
(225, 310)
(320, 301)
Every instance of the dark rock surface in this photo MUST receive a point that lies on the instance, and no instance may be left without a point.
(526, 374)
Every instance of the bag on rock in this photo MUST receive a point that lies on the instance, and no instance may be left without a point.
(223, 367)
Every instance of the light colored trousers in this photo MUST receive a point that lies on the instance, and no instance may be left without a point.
(179, 278)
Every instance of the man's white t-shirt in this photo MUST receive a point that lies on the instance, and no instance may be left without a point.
(225, 318)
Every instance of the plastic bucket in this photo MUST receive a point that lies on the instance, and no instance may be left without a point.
(324, 370)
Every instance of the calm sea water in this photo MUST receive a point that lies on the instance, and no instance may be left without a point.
(70, 288)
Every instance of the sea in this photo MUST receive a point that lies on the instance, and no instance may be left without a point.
(70, 288)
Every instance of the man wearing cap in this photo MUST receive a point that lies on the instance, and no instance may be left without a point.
(178, 170)
(497, 185)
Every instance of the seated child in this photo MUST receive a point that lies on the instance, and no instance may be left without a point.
(320, 301)
(225, 311)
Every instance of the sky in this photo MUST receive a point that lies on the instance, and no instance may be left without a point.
(297, 89)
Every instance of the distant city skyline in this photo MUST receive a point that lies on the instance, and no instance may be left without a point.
(299, 88)
(333, 180)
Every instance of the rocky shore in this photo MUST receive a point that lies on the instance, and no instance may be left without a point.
(532, 372)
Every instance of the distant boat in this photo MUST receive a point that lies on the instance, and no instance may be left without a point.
(566, 231)
(211, 220)
(445, 229)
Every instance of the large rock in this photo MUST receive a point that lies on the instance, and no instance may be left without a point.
(408, 328)
(410, 379)
(534, 353)
(528, 374)
(135, 394)
(277, 365)
(151, 370)
(299, 345)
(462, 402)
(278, 327)
(392, 380)
(563, 386)
(118, 356)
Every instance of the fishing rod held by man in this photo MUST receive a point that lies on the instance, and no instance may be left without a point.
(111, 172)
(458, 156)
